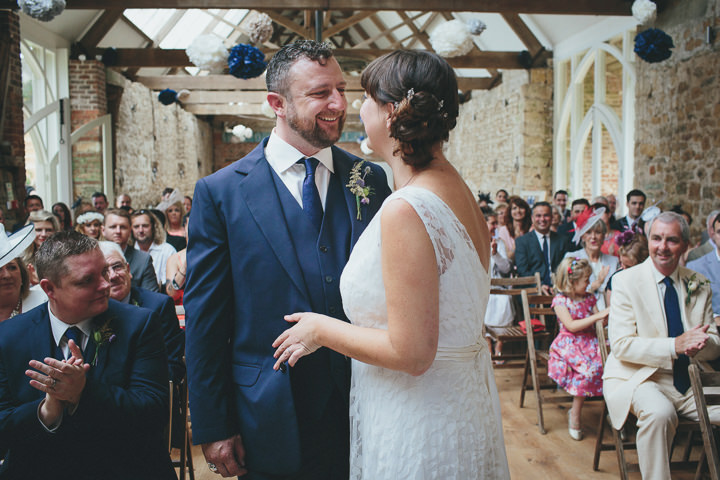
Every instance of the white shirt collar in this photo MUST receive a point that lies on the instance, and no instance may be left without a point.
(282, 156)
(659, 277)
(59, 327)
(541, 235)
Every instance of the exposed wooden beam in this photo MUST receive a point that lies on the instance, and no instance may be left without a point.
(344, 25)
(228, 82)
(157, 57)
(558, 7)
(100, 28)
(523, 32)
(286, 22)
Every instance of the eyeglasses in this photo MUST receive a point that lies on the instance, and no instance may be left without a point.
(117, 267)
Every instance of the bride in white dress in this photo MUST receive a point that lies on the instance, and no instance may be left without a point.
(423, 402)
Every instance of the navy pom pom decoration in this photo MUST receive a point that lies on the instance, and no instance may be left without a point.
(246, 61)
(167, 96)
(653, 45)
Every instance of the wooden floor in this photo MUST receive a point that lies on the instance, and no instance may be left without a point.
(530, 454)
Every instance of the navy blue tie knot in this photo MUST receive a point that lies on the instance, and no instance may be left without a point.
(681, 378)
(74, 334)
(310, 194)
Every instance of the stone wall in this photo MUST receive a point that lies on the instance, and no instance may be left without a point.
(158, 146)
(12, 144)
(88, 102)
(677, 130)
(503, 138)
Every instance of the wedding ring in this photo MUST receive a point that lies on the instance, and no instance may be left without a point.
(212, 467)
(54, 382)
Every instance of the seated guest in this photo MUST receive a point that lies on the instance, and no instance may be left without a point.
(517, 223)
(176, 236)
(81, 206)
(176, 271)
(560, 200)
(99, 201)
(655, 325)
(632, 250)
(90, 224)
(62, 212)
(32, 203)
(124, 201)
(540, 250)
(591, 230)
(119, 277)
(45, 224)
(708, 245)
(557, 218)
(499, 312)
(568, 228)
(635, 205)
(609, 246)
(149, 236)
(16, 296)
(612, 206)
(502, 196)
(709, 265)
(96, 400)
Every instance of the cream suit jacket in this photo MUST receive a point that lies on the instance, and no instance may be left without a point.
(639, 343)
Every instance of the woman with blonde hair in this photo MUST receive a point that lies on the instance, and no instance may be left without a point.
(90, 224)
(174, 214)
(45, 224)
(16, 296)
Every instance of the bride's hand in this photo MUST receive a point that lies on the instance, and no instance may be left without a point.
(298, 341)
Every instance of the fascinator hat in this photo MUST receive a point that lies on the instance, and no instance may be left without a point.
(586, 220)
(484, 197)
(12, 246)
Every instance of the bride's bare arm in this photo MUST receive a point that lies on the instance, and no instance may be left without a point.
(411, 282)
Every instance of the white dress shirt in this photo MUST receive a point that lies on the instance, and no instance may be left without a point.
(283, 158)
(58, 330)
(540, 239)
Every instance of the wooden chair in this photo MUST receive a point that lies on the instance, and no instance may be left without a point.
(701, 381)
(538, 306)
(185, 462)
(513, 334)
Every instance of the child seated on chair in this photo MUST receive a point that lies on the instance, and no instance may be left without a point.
(575, 363)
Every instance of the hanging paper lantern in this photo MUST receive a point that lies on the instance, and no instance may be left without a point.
(357, 103)
(182, 94)
(451, 39)
(167, 96)
(365, 148)
(653, 45)
(207, 52)
(644, 11)
(260, 29)
(246, 61)
(476, 26)
(267, 110)
(242, 132)
(43, 10)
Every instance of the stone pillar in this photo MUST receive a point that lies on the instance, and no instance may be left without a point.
(88, 102)
(12, 144)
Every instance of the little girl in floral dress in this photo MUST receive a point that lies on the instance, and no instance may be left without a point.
(575, 363)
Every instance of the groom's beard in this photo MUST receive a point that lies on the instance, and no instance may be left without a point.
(311, 132)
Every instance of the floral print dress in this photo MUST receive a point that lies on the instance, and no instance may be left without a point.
(575, 363)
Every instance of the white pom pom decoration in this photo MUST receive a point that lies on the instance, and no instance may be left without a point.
(476, 26)
(208, 52)
(260, 29)
(242, 132)
(43, 10)
(644, 11)
(364, 147)
(267, 110)
(357, 103)
(451, 39)
(183, 94)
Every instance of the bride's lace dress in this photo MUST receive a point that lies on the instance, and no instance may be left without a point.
(444, 424)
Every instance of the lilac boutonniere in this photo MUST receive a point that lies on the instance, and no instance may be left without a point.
(358, 186)
(692, 285)
(101, 336)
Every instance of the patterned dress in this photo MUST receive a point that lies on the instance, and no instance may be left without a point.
(575, 363)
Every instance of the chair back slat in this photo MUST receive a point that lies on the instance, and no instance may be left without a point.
(702, 400)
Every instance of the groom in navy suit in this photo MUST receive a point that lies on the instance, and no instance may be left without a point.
(270, 235)
(83, 382)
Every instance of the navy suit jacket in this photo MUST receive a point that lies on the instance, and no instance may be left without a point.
(141, 269)
(529, 256)
(568, 231)
(174, 336)
(116, 430)
(244, 275)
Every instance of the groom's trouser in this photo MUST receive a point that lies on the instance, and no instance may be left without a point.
(324, 445)
(656, 403)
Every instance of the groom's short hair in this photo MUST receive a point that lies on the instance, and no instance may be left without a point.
(277, 74)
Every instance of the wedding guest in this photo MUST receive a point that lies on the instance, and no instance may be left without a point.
(653, 332)
(187, 204)
(117, 228)
(149, 236)
(124, 201)
(45, 224)
(31, 203)
(174, 215)
(99, 201)
(632, 249)
(707, 246)
(501, 196)
(540, 250)
(97, 397)
(263, 225)
(499, 314)
(500, 209)
(575, 363)
(16, 296)
(557, 218)
(709, 265)
(568, 228)
(591, 231)
(560, 200)
(517, 223)
(81, 207)
(176, 271)
(609, 246)
(483, 200)
(90, 224)
(612, 207)
(62, 212)
(635, 205)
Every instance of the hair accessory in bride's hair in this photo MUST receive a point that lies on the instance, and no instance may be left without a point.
(441, 104)
(410, 93)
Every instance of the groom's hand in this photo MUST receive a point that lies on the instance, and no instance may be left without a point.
(227, 455)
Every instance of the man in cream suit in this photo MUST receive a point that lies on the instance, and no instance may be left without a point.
(646, 372)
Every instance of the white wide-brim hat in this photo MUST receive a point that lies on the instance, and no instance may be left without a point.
(586, 220)
(13, 246)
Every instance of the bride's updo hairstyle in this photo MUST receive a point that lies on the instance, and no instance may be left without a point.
(423, 88)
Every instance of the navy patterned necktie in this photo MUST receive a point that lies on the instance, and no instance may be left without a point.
(76, 335)
(546, 257)
(681, 378)
(310, 195)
